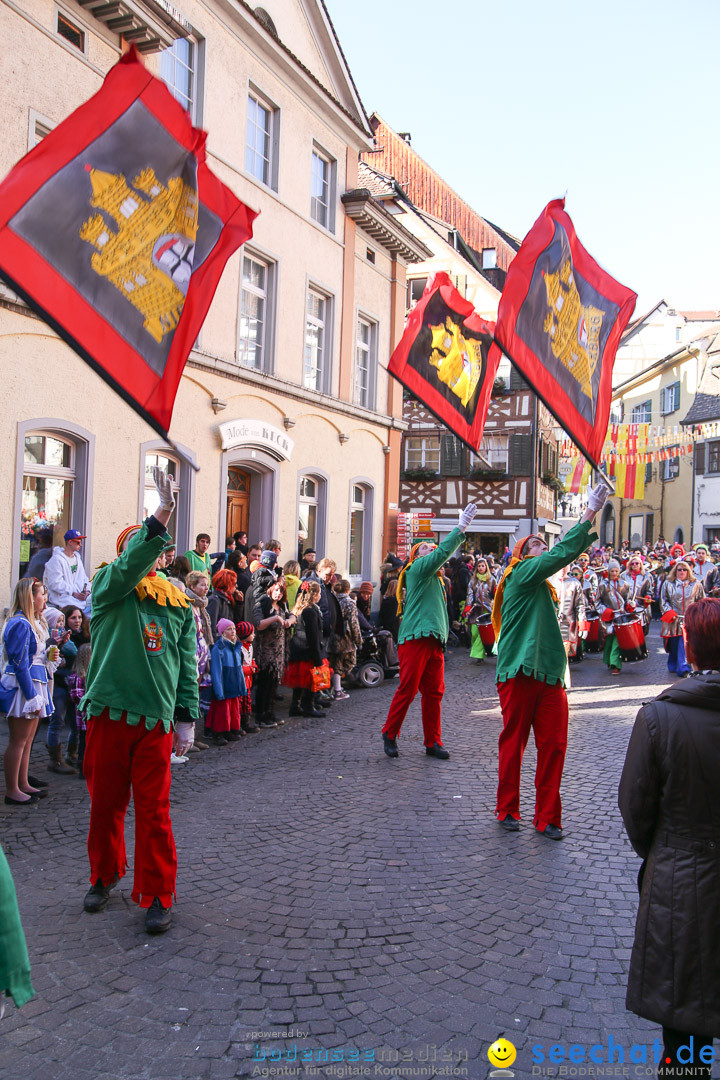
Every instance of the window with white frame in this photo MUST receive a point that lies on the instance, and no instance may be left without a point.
(422, 452)
(365, 362)
(415, 289)
(47, 492)
(151, 499)
(316, 364)
(255, 323)
(179, 72)
(493, 453)
(358, 526)
(261, 142)
(642, 414)
(68, 29)
(671, 468)
(322, 189)
(670, 398)
(312, 512)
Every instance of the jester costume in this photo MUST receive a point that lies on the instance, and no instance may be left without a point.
(530, 672)
(142, 677)
(421, 640)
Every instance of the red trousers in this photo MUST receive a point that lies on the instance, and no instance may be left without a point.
(422, 667)
(119, 758)
(527, 703)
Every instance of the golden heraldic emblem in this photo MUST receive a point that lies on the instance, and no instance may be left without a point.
(149, 258)
(574, 329)
(457, 359)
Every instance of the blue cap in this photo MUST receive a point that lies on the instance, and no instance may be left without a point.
(73, 534)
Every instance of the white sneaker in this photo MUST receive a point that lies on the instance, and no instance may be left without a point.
(175, 760)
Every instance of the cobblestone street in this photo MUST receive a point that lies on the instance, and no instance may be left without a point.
(349, 901)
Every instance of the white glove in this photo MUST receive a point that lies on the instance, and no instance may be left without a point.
(597, 497)
(183, 738)
(163, 486)
(466, 516)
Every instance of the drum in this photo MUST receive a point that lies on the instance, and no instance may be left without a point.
(630, 638)
(592, 641)
(486, 631)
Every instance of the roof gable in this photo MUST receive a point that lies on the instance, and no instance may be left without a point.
(303, 28)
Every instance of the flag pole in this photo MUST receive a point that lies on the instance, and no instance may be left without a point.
(603, 477)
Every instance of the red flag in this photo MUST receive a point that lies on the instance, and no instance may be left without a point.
(560, 320)
(116, 232)
(442, 358)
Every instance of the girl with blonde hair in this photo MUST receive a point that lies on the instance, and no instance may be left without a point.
(24, 685)
(680, 589)
(306, 650)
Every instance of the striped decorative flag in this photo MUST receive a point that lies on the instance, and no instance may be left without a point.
(578, 476)
(630, 478)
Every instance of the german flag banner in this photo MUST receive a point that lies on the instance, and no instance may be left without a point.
(560, 320)
(443, 359)
(115, 231)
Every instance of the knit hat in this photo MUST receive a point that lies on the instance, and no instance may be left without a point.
(268, 560)
(125, 536)
(224, 624)
(244, 630)
(613, 564)
(518, 549)
(366, 588)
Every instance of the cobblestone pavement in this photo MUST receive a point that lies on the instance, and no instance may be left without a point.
(352, 902)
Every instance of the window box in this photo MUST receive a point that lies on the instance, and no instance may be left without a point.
(419, 474)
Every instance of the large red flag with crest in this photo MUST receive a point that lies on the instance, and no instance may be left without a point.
(442, 358)
(560, 320)
(116, 232)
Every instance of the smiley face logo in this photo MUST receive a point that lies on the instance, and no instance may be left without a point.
(502, 1053)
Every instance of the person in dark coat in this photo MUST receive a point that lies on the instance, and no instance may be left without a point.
(668, 801)
(306, 650)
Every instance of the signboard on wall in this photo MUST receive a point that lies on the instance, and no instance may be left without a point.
(249, 432)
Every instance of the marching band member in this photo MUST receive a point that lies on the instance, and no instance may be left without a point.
(681, 589)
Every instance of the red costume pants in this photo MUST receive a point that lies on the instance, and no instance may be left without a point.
(120, 758)
(528, 703)
(422, 667)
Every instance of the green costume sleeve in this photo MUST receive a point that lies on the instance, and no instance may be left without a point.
(14, 961)
(119, 578)
(531, 571)
(187, 687)
(426, 566)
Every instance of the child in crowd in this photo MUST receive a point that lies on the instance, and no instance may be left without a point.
(246, 633)
(228, 683)
(306, 650)
(76, 689)
(63, 711)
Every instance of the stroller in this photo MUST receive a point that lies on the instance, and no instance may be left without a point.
(377, 659)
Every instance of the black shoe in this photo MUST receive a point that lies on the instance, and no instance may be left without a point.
(294, 711)
(234, 736)
(390, 746)
(266, 722)
(318, 713)
(438, 751)
(97, 896)
(41, 793)
(34, 782)
(218, 740)
(509, 823)
(552, 832)
(249, 727)
(22, 802)
(158, 918)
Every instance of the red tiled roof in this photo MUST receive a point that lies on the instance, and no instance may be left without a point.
(429, 192)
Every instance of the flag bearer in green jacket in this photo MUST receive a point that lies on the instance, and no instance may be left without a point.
(422, 639)
(530, 671)
(141, 700)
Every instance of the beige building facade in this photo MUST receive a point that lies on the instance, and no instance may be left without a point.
(285, 406)
(655, 382)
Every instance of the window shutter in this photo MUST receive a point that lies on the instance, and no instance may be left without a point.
(516, 380)
(699, 458)
(451, 456)
(662, 402)
(520, 456)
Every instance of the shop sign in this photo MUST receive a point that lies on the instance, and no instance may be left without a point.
(256, 433)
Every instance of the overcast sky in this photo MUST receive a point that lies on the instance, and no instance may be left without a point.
(516, 103)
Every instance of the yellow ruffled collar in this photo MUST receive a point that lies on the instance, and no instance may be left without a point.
(162, 591)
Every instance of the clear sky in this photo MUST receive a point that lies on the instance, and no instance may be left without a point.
(516, 102)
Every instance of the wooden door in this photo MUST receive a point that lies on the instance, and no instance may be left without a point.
(238, 501)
